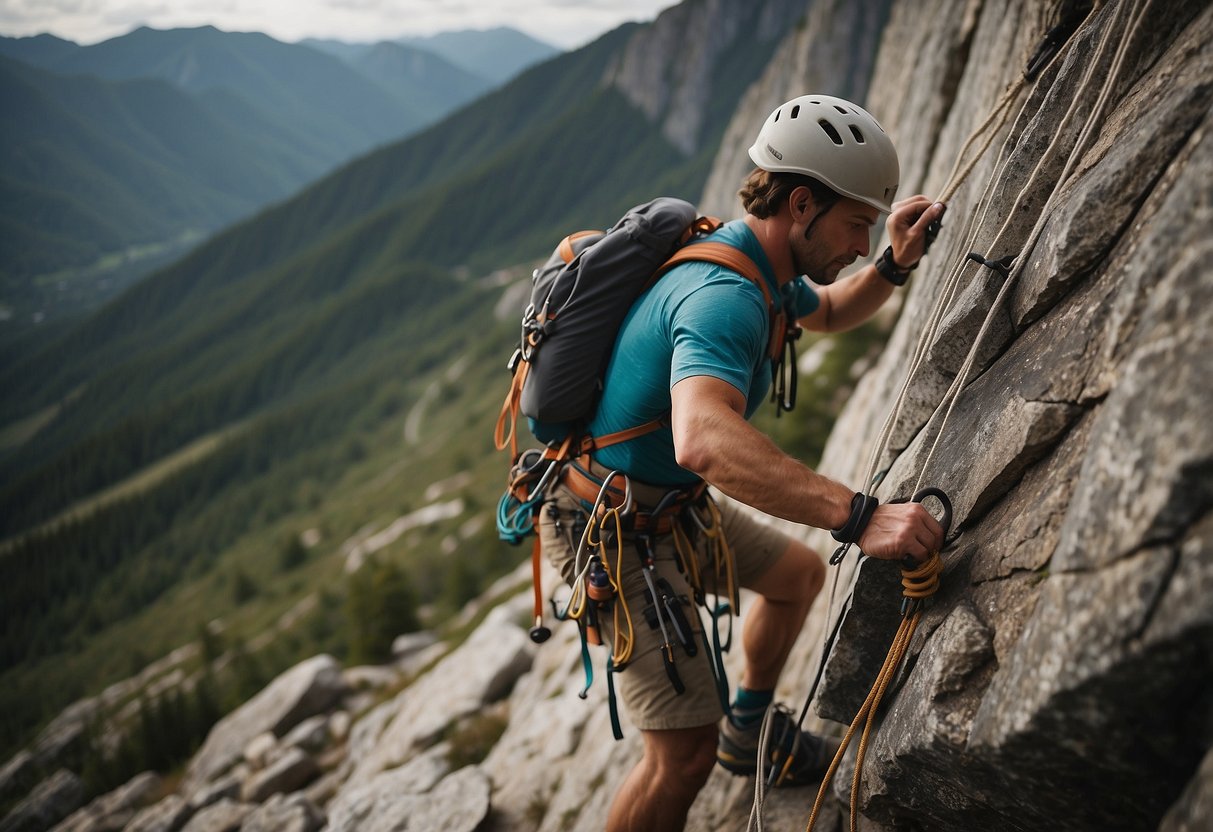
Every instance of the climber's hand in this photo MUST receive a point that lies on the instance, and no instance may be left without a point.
(899, 529)
(907, 227)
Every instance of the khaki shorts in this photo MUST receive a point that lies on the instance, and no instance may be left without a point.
(649, 696)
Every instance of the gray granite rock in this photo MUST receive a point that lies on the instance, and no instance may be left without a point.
(51, 801)
(305, 690)
(168, 815)
(111, 812)
(388, 803)
(224, 816)
(285, 813)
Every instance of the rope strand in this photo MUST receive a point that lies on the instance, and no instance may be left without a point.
(918, 584)
(923, 583)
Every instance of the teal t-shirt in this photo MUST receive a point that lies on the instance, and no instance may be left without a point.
(698, 319)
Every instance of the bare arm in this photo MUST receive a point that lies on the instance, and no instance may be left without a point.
(713, 439)
(853, 300)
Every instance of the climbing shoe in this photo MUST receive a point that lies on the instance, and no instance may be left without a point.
(794, 757)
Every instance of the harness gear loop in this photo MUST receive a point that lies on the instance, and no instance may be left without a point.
(613, 516)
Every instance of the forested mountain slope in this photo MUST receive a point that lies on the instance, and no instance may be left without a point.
(121, 155)
(257, 386)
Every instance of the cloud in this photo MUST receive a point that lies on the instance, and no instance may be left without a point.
(565, 23)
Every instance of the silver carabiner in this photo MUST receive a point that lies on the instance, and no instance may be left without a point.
(628, 503)
(547, 476)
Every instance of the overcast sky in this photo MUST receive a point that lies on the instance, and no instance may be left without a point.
(563, 23)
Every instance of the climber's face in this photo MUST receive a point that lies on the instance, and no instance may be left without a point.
(824, 242)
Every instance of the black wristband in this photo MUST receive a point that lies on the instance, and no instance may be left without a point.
(862, 506)
(887, 267)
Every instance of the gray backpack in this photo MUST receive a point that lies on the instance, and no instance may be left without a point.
(578, 301)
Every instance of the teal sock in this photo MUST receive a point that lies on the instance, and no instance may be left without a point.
(750, 705)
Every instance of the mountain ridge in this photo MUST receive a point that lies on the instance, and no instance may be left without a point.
(286, 113)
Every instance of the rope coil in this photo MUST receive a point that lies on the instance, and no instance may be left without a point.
(919, 583)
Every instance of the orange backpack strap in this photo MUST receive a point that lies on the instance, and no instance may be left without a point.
(721, 254)
(567, 252)
(509, 412)
(738, 261)
(591, 443)
(700, 228)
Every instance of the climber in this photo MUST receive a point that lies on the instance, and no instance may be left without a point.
(695, 347)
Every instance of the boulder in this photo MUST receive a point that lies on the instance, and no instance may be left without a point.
(386, 803)
(405, 646)
(339, 725)
(481, 671)
(359, 799)
(224, 816)
(309, 688)
(169, 815)
(284, 813)
(260, 750)
(111, 812)
(225, 787)
(51, 801)
(290, 772)
(311, 735)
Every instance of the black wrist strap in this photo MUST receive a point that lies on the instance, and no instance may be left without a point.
(862, 506)
(887, 267)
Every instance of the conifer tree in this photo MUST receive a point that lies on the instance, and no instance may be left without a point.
(380, 605)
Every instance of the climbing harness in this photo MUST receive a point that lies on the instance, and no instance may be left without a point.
(596, 584)
(612, 516)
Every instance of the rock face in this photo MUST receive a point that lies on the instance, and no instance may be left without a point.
(307, 689)
(668, 70)
(1070, 649)
(833, 50)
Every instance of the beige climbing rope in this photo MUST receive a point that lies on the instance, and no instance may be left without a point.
(918, 583)
(909, 623)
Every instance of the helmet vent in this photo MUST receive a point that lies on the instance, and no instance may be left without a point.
(855, 132)
(842, 110)
(830, 131)
(796, 111)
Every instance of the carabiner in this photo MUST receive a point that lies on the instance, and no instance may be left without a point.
(937, 493)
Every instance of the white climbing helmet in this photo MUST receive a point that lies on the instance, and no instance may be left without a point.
(834, 141)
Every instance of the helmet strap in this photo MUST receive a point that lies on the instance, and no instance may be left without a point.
(808, 228)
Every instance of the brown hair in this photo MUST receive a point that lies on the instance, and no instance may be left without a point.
(764, 192)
